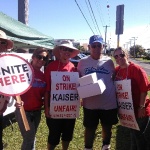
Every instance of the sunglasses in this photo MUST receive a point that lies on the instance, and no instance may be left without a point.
(3, 42)
(45, 58)
(120, 55)
(98, 46)
(66, 49)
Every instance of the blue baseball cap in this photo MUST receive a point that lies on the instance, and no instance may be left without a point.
(96, 38)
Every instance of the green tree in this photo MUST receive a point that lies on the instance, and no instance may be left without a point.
(81, 48)
(137, 51)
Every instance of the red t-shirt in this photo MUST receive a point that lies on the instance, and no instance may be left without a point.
(33, 97)
(139, 83)
(57, 66)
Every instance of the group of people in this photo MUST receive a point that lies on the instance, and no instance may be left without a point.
(102, 108)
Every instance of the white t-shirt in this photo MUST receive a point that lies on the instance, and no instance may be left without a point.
(104, 69)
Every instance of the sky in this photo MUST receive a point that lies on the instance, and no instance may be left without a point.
(62, 19)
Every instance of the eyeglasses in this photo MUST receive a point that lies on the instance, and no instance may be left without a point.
(66, 49)
(3, 42)
(120, 55)
(45, 58)
(98, 46)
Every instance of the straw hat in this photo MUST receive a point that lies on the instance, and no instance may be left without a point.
(68, 44)
(4, 37)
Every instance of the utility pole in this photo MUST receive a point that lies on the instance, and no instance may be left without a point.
(105, 36)
(134, 38)
(127, 45)
(23, 11)
(130, 42)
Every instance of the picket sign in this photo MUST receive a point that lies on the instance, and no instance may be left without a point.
(16, 77)
(125, 103)
(64, 100)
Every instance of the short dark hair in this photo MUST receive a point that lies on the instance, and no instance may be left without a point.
(40, 50)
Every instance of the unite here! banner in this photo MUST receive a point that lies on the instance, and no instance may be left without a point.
(16, 75)
(125, 104)
(64, 101)
(7, 61)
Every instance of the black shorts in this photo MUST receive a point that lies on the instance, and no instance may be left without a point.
(60, 128)
(106, 117)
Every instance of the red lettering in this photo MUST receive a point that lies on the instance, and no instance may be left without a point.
(22, 79)
(119, 87)
(66, 86)
(126, 117)
(14, 79)
(63, 115)
(122, 95)
(66, 78)
(7, 80)
(65, 108)
(1, 82)
(129, 125)
(57, 86)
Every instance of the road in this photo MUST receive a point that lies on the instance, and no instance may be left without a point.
(144, 65)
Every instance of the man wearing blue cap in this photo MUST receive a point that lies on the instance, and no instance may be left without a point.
(103, 107)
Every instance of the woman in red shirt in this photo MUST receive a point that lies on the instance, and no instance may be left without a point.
(59, 127)
(32, 100)
(140, 140)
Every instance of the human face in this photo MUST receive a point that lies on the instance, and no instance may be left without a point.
(96, 50)
(39, 60)
(121, 58)
(65, 53)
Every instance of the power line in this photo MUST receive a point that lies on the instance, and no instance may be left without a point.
(94, 16)
(100, 12)
(84, 17)
(90, 15)
(100, 16)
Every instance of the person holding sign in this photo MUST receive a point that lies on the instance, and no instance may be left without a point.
(102, 107)
(5, 45)
(128, 71)
(60, 127)
(32, 100)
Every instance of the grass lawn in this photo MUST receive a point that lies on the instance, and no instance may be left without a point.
(120, 137)
(143, 60)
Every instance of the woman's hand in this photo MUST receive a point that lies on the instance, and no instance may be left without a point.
(19, 105)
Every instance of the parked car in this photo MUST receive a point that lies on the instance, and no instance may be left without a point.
(77, 58)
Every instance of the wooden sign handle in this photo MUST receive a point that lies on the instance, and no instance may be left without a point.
(24, 118)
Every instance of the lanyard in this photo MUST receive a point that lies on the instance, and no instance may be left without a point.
(121, 77)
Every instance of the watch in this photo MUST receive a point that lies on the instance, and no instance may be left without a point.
(142, 106)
